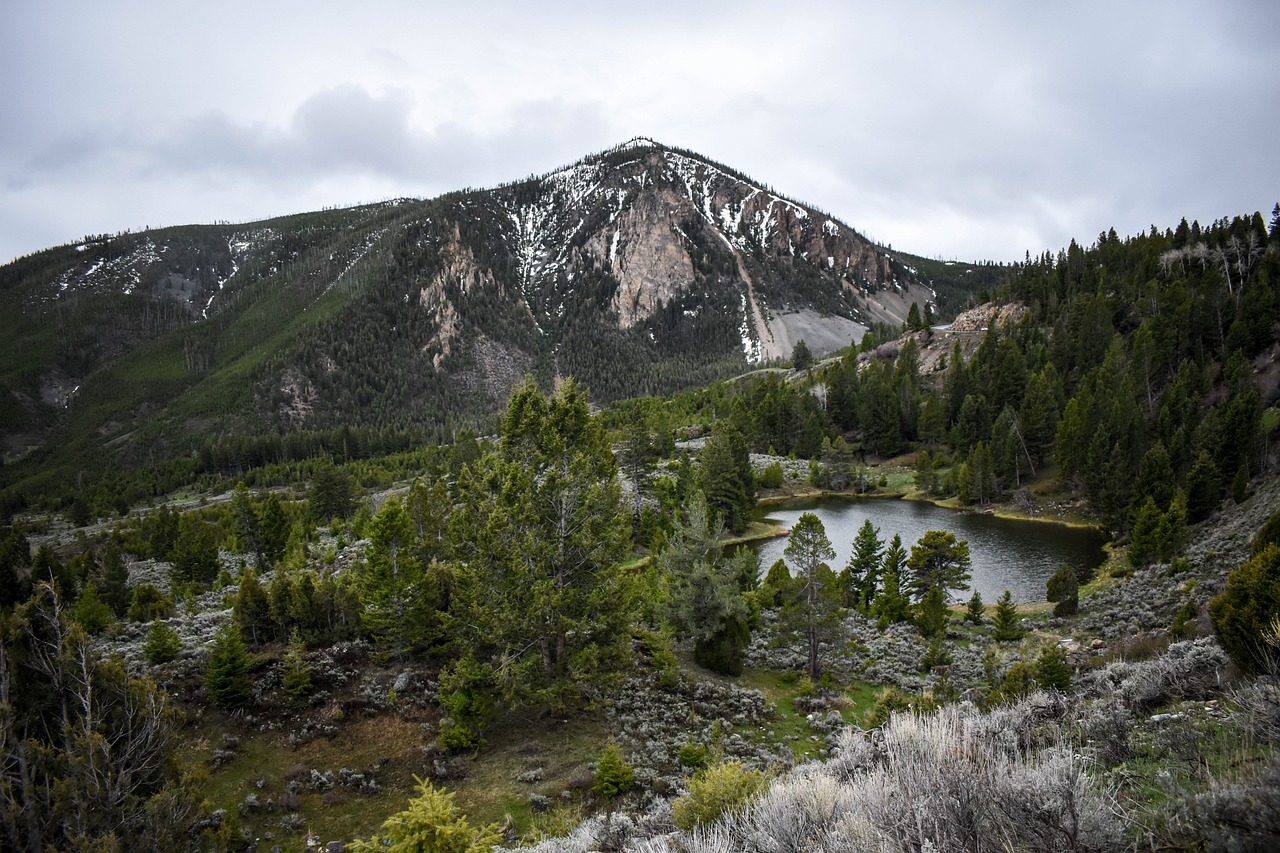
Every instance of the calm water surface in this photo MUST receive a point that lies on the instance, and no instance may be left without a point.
(1016, 555)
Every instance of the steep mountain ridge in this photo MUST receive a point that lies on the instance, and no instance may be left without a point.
(638, 270)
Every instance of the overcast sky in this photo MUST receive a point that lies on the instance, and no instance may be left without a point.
(960, 130)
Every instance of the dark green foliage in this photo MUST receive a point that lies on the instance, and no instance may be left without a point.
(1268, 534)
(815, 609)
(1052, 670)
(226, 673)
(332, 492)
(931, 613)
(465, 694)
(771, 476)
(162, 643)
(195, 554)
(891, 603)
(91, 611)
(940, 561)
(252, 612)
(937, 654)
(801, 355)
(295, 672)
(1240, 484)
(975, 611)
(115, 580)
(1204, 488)
(779, 586)
(1244, 613)
(15, 561)
(397, 609)
(1006, 621)
(705, 597)
(539, 534)
(860, 580)
(149, 603)
(725, 477)
(1064, 590)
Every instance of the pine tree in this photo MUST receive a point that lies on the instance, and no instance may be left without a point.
(540, 533)
(274, 528)
(1006, 620)
(1052, 670)
(91, 611)
(975, 612)
(226, 674)
(939, 560)
(815, 607)
(431, 824)
(161, 644)
(295, 672)
(252, 614)
(115, 580)
(860, 581)
(1064, 590)
(890, 604)
(390, 582)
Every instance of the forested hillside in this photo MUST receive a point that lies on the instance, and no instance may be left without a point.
(213, 349)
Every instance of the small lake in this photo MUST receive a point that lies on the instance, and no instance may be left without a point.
(1006, 554)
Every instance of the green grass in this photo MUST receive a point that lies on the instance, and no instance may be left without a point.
(789, 725)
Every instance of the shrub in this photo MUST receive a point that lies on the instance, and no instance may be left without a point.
(614, 776)
(149, 603)
(771, 476)
(431, 823)
(724, 788)
(1242, 611)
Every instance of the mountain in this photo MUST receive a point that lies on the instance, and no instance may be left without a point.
(639, 270)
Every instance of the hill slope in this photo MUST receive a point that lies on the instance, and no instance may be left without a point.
(640, 270)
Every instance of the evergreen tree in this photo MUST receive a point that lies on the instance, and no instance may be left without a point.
(1064, 590)
(91, 611)
(1204, 488)
(331, 493)
(390, 582)
(226, 674)
(860, 581)
(431, 824)
(975, 612)
(938, 560)
(726, 478)
(295, 672)
(1052, 670)
(162, 643)
(891, 604)
(1006, 621)
(815, 607)
(195, 554)
(540, 596)
(931, 613)
(705, 602)
(1246, 609)
(274, 528)
(801, 355)
(252, 614)
(613, 776)
(1038, 418)
(115, 580)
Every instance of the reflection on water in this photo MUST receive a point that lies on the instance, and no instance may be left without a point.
(1016, 555)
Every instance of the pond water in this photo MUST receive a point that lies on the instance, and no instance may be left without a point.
(1007, 554)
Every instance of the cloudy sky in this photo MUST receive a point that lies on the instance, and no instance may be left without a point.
(957, 130)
